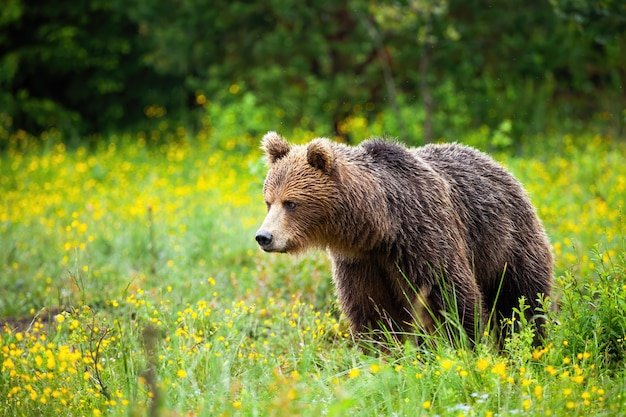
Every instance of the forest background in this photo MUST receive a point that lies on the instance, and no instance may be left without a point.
(438, 69)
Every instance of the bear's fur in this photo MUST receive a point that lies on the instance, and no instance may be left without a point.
(413, 234)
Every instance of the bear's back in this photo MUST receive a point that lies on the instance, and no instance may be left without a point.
(473, 174)
(455, 160)
(491, 202)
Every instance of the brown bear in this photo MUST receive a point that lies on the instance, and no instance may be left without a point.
(415, 235)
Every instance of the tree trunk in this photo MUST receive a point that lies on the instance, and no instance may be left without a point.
(385, 61)
(427, 99)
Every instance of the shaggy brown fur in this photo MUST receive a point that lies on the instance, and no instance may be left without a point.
(412, 233)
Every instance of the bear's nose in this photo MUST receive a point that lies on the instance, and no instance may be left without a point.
(264, 238)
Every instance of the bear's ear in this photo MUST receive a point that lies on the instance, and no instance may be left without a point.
(320, 155)
(274, 146)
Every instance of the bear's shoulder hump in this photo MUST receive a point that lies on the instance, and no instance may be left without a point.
(387, 152)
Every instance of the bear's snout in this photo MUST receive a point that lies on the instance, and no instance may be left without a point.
(264, 239)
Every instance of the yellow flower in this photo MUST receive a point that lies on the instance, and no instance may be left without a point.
(8, 364)
(181, 373)
(482, 364)
(499, 369)
(446, 364)
(374, 368)
(354, 372)
(426, 404)
(537, 354)
(292, 394)
(578, 379)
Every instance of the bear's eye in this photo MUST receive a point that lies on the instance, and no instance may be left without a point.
(289, 205)
(268, 206)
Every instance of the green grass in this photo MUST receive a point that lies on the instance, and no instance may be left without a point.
(132, 285)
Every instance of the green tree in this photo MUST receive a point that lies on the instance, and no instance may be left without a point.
(447, 66)
(75, 66)
(600, 27)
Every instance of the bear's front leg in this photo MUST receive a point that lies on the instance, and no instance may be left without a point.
(370, 300)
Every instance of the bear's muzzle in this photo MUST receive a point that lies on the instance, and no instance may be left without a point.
(264, 239)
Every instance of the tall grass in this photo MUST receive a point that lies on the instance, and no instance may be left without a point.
(132, 285)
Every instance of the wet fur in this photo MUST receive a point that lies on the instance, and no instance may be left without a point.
(409, 230)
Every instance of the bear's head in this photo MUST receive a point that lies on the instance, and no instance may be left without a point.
(300, 193)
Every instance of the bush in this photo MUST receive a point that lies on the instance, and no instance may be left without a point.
(593, 316)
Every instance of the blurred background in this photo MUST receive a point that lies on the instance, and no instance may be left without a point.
(414, 69)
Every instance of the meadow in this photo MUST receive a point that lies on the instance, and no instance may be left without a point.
(131, 284)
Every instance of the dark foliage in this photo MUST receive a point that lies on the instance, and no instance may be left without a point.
(94, 65)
